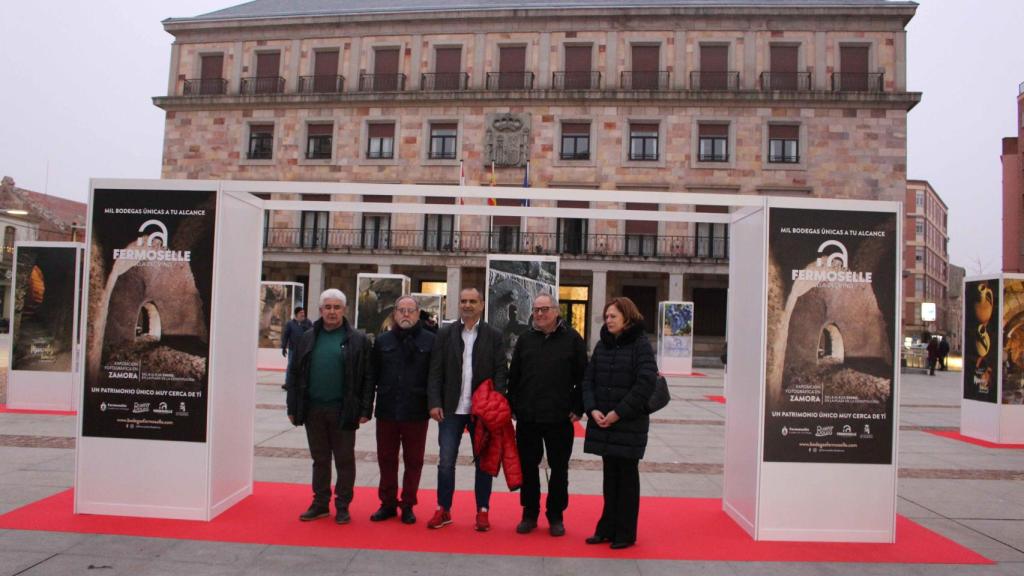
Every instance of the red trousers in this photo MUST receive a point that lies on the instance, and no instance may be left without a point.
(411, 436)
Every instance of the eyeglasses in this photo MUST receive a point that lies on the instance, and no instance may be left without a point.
(406, 310)
(542, 309)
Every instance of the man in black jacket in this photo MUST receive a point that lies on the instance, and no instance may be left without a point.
(544, 388)
(329, 397)
(400, 363)
(291, 337)
(465, 354)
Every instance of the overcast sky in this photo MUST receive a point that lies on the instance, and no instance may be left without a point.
(78, 78)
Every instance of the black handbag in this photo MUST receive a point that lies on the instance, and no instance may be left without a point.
(660, 397)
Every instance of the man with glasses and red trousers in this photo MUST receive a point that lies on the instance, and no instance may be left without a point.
(400, 364)
(466, 353)
(544, 388)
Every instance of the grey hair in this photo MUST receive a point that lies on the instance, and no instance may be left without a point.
(333, 294)
(550, 296)
(407, 297)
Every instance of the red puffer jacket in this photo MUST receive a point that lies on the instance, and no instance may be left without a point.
(494, 437)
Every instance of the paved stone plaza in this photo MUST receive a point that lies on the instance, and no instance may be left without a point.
(970, 494)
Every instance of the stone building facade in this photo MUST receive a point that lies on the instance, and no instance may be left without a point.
(1013, 193)
(925, 260)
(740, 97)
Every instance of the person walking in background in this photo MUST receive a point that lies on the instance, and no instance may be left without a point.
(933, 354)
(466, 353)
(544, 382)
(943, 353)
(293, 331)
(400, 364)
(328, 395)
(617, 385)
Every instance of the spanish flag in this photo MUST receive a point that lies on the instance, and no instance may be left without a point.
(494, 182)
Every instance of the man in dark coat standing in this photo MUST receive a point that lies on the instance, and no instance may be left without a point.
(329, 397)
(291, 336)
(544, 388)
(465, 354)
(400, 364)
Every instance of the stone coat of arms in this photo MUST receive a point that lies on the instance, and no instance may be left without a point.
(507, 139)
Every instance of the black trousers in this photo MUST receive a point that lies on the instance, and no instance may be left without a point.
(326, 440)
(621, 499)
(531, 439)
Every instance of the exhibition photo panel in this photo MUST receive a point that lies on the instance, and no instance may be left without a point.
(148, 314)
(831, 332)
(981, 329)
(512, 284)
(43, 328)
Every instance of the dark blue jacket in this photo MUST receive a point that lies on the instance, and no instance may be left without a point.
(357, 401)
(400, 363)
(293, 332)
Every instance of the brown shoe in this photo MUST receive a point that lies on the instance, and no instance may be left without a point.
(482, 523)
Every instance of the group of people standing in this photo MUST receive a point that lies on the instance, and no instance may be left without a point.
(460, 377)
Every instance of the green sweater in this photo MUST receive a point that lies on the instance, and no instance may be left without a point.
(327, 369)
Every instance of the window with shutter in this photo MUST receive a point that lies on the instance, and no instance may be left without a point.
(380, 141)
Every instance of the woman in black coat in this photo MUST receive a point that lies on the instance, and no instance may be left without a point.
(616, 387)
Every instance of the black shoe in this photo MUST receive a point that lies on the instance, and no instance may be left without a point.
(383, 513)
(556, 528)
(621, 545)
(595, 539)
(315, 512)
(526, 526)
(342, 517)
(407, 516)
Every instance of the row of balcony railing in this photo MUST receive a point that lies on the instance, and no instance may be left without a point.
(507, 240)
(459, 81)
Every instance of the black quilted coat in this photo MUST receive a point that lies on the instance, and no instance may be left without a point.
(620, 377)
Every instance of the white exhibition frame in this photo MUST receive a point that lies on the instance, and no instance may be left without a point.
(673, 365)
(770, 500)
(993, 422)
(37, 389)
(271, 358)
(787, 500)
(191, 480)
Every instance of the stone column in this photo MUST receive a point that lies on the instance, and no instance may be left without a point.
(598, 298)
(355, 54)
(172, 80)
(316, 286)
(543, 61)
(383, 268)
(454, 285)
(292, 78)
(675, 287)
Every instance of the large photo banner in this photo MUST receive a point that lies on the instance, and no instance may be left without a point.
(832, 321)
(376, 295)
(981, 331)
(277, 300)
(1013, 341)
(512, 284)
(44, 308)
(148, 336)
(675, 339)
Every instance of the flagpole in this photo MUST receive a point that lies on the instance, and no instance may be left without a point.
(456, 224)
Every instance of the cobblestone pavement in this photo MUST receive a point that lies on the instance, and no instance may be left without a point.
(970, 494)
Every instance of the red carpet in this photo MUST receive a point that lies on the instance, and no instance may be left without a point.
(5, 410)
(271, 369)
(953, 435)
(719, 399)
(670, 529)
(681, 375)
(579, 430)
